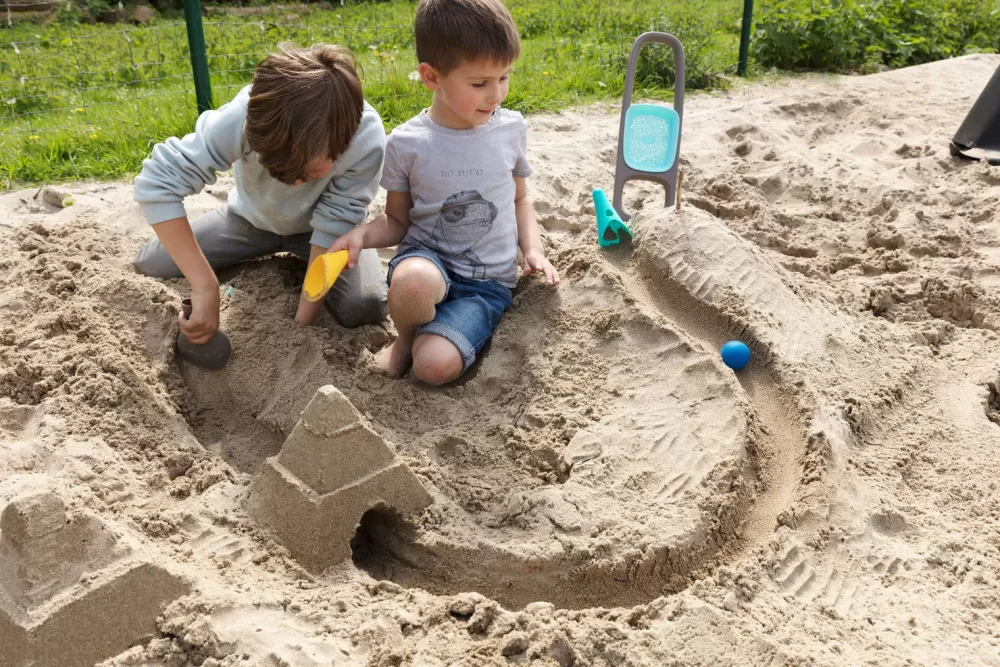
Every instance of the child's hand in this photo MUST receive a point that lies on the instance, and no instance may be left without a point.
(536, 262)
(353, 242)
(204, 320)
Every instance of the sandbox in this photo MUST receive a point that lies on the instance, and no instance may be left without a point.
(600, 489)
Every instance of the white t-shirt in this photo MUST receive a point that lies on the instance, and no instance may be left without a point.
(461, 183)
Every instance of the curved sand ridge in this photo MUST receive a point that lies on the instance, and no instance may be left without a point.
(645, 496)
(596, 456)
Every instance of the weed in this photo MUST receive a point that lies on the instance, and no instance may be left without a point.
(863, 35)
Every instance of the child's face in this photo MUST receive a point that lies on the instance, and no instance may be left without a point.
(318, 168)
(471, 92)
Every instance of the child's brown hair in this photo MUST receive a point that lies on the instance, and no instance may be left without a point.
(304, 104)
(450, 32)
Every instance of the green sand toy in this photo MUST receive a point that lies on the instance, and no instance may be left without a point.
(610, 227)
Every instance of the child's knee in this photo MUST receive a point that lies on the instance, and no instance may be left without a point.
(417, 280)
(436, 360)
(149, 261)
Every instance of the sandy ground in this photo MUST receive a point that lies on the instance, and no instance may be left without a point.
(605, 491)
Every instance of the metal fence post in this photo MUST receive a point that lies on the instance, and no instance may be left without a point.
(199, 57)
(744, 37)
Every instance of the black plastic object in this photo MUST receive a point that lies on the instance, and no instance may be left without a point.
(979, 136)
(212, 355)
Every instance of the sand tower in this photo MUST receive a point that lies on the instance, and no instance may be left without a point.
(331, 470)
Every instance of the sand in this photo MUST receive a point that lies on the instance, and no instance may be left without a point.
(605, 492)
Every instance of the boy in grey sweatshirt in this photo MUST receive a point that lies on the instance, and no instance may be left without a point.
(306, 152)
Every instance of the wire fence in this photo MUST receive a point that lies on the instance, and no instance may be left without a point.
(62, 79)
(55, 75)
(78, 82)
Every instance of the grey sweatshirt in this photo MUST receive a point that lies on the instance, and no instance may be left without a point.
(330, 205)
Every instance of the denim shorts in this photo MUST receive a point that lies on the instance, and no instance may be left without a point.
(470, 311)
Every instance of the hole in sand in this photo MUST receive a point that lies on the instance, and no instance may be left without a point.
(245, 411)
(993, 402)
(224, 426)
(375, 524)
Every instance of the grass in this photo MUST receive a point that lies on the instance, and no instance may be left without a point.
(865, 35)
(89, 101)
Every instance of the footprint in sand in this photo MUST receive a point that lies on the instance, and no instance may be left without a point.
(797, 578)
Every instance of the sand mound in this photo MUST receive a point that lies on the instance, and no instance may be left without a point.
(71, 591)
(605, 491)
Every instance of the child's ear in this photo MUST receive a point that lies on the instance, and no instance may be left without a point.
(429, 75)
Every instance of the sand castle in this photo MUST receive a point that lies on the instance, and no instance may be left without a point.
(72, 593)
(331, 470)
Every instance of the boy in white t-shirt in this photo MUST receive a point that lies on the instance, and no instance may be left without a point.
(457, 204)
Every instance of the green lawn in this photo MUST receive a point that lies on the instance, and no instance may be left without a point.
(89, 101)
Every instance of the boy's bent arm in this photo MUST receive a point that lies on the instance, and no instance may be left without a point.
(177, 168)
(389, 228)
(178, 240)
(529, 237)
(384, 231)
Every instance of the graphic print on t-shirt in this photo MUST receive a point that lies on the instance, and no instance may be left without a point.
(465, 218)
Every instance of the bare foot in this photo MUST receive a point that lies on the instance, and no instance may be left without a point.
(395, 359)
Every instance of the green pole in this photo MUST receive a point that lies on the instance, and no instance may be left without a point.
(199, 58)
(744, 37)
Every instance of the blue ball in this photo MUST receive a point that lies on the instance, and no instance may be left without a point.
(735, 354)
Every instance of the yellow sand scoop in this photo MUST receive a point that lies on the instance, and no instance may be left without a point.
(323, 274)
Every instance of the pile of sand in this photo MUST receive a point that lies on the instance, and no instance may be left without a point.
(605, 491)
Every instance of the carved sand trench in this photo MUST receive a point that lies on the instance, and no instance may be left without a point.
(739, 508)
(600, 455)
(649, 490)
